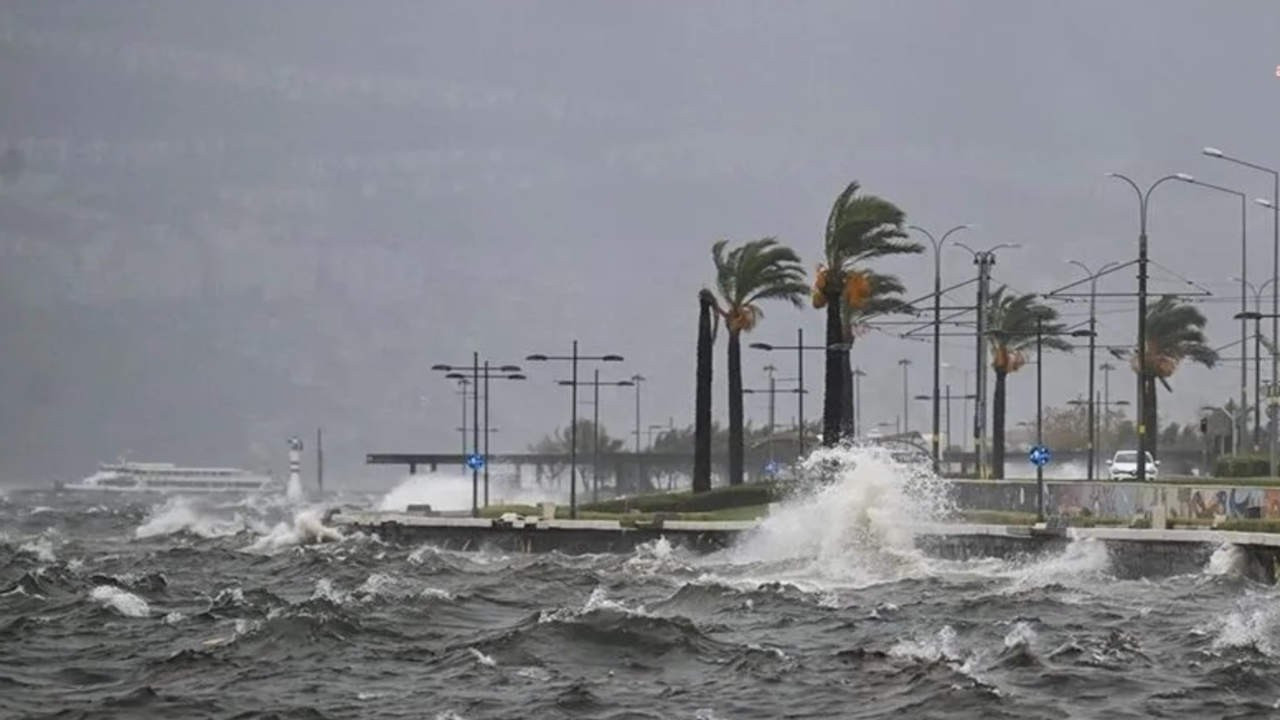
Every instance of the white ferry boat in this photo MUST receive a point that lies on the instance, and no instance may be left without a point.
(170, 478)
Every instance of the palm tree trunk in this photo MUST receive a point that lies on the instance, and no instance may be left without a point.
(834, 375)
(997, 426)
(1151, 419)
(847, 427)
(702, 398)
(735, 408)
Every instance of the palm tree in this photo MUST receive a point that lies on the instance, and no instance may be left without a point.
(702, 393)
(745, 275)
(1016, 323)
(1175, 332)
(881, 299)
(860, 228)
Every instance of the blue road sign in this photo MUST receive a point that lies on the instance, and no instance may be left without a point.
(1039, 455)
(771, 468)
(475, 461)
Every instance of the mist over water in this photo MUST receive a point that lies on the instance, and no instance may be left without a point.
(220, 608)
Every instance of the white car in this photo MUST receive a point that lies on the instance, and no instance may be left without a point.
(1124, 466)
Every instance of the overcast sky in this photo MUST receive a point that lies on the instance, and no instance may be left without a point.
(420, 180)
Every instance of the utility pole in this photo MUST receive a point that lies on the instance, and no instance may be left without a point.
(906, 422)
(320, 461)
(984, 261)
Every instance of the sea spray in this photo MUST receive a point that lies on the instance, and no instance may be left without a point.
(182, 514)
(307, 528)
(452, 491)
(854, 526)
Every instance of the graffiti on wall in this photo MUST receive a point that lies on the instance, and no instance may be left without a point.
(1122, 499)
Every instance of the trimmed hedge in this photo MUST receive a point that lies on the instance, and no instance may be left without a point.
(686, 502)
(1237, 466)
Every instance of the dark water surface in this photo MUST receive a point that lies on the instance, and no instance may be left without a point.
(151, 608)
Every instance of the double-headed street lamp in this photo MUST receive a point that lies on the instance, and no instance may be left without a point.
(481, 456)
(937, 323)
(574, 358)
(772, 392)
(1096, 430)
(1256, 316)
(1093, 327)
(1144, 201)
(595, 425)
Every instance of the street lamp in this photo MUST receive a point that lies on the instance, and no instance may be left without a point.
(1273, 204)
(595, 425)
(937, 323)
(1144, 200)
(1256, 316)
(947, 397)
(1244, 281)
(1093, 326)
(636, 380)
(502, 372)
(573, 359)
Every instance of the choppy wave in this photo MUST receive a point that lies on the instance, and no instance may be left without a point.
(828, 610)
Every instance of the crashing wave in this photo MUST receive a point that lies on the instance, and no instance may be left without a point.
(122, 601)
(307, 528)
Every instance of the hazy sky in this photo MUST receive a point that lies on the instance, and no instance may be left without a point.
(412, 181)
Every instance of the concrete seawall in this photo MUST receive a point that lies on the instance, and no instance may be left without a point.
(1133, 553)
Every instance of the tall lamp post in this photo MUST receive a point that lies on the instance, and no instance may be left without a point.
(595, 424)
(937, 324)
(1144, 201)
(1274, 207)
(1093, 327)
(1273, 204)
(573, 359)
(480, 372)
(1244, 282)
(772, 391)
(947, 397)
(636, 380)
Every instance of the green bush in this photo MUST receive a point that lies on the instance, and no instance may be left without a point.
(1237, 466)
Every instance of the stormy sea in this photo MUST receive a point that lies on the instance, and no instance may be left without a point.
(154, 607)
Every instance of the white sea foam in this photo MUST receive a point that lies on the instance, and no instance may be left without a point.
(1227, 559)
(597, 600)
(451, 490)
(41, 549)
(483, 659)
(180, 514)
(1078, 565)
(1020, 634)
(941, 646)
(307, 528)
(122, 601)
(853, 529)
(1254, 623)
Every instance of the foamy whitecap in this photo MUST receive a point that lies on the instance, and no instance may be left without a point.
(941, 646)
(180, 514)
(41, 549)
(483, 659)
(597, 600)
(1021, 634)
(1254, 623)
(1080, 563)
(122, 601)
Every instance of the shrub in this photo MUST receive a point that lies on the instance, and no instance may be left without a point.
(1237, 466)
